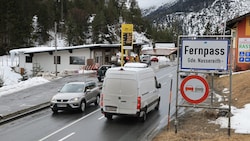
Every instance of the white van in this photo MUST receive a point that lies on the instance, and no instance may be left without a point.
(131, 90)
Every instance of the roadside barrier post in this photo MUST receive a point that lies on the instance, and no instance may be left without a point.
(169, 104)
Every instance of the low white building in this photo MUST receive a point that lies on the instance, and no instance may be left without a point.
(161, 49)
(43, 59)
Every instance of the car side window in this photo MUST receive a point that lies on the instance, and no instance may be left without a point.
(86, 88)
(91, 85)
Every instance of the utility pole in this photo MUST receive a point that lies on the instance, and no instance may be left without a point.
(62, 19)
(61, 10)
(55, 48)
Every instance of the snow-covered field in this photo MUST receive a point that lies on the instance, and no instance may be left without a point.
(11, 79)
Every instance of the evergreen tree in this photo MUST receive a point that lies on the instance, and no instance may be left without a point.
(208, 29)
(17, 26)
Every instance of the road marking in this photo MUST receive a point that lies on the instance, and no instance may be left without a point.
(57, 131)
(64, 138)
(169, 74)
(100, 117)
(26, 105)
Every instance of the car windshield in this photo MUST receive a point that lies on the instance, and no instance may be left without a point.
(72, 88)
(105, 67)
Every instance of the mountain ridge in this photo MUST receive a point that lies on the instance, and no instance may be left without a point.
(198, 18)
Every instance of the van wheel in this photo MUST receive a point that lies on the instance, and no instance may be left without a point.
(144, 116)
(97, 100)
(82, 106)
(158, 105)
(109, 116)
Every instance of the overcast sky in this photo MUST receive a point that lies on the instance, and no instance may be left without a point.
(149, 3)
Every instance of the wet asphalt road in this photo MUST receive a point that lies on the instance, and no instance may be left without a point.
(36, 95)
(91, 125)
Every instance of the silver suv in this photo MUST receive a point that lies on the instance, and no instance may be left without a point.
(75, 95)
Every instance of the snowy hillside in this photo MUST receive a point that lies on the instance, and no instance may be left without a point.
(209, 20)
(148, 7)
(214, 16)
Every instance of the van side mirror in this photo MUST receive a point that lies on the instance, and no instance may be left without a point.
(159, 85)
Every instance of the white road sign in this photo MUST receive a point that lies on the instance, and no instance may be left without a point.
(244, 50)
(204, 54)
(194, 89)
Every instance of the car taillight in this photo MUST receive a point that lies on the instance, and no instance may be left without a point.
(138, 103)
(101, 101)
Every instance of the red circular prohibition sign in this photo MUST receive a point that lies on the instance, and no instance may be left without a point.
(204, 97)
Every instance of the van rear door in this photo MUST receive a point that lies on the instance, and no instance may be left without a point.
(120, 96)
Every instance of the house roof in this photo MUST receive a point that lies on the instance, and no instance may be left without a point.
(164, 45)
(233, 22)
(49, 49)
(159, 52)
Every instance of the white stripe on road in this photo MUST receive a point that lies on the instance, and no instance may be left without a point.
(46, 137)
(64, 138)
(100, 117)
(169, 74)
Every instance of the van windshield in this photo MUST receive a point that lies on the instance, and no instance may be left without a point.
(125, 86)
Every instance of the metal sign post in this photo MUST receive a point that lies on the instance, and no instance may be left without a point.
(206, 55)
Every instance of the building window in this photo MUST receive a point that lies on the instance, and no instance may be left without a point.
(77, 60)
(107, 59)
(28, 59)
(58, 59)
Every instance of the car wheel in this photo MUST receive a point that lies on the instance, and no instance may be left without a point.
(109, 116)
(82, 106)
(97, 100)
(54, 110)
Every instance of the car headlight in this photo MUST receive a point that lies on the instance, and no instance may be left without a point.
(75, 99)
(53, 100)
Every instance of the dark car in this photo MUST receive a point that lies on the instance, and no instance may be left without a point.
(101, 72)
(146, 59)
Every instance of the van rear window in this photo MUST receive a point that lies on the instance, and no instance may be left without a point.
(126, 86)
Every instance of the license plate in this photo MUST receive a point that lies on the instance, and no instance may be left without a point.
(61, 105)
(110, 108)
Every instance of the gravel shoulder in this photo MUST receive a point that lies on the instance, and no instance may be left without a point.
(194, 125)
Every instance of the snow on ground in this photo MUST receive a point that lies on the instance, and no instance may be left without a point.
(11, 79)
(8, 89)
(239, 120)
